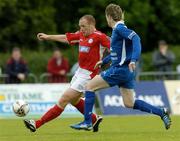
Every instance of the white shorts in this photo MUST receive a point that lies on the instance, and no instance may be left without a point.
(80, 80)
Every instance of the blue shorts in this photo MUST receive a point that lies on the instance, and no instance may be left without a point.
(120, 76)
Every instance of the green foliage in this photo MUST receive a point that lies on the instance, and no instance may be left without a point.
(21, 20)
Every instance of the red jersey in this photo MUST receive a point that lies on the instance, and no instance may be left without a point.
(91, 48)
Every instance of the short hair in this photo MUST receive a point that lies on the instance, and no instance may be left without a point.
(56, 49)
(90, 19)
(162, 42)
(114, 11)
(16, 49)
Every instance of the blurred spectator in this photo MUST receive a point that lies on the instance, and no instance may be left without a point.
(16, 68)
(178, 70)
(163, 59)
(58, 67)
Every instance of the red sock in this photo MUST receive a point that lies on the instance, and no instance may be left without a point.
(80, 107)
(53, 113)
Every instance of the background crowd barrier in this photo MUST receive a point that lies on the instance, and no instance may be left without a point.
(31, 78)
(42, 96)
(141, 76)
(3, 78)
(157, 93)
(44, 78)
(39, 96)
(111, 102)
(153, 75)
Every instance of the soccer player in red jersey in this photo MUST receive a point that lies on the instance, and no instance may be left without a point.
(92, 44)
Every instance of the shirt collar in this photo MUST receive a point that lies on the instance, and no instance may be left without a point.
(119, 22)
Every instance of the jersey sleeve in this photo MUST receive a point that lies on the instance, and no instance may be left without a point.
(105, 41)
(136, 43)
(125, 32)
(73, 38)
(106, 59)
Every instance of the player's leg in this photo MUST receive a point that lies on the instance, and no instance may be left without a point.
(130, 102)
(128, 96)
(78, 83)
(72, 95)
(96, 119)
(96, 83)
(107, 78)
(55, 111)
(79, 104)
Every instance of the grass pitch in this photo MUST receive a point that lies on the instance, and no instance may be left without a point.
(121, 128)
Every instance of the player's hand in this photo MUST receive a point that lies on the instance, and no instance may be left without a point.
(62, 72)
(132, 66)
(42, 36)
(98, 64)
(21, 76)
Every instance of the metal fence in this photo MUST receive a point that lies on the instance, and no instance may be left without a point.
(154, 76)
(31, 78)
(3, 78)
(44, 78)
(158, 75)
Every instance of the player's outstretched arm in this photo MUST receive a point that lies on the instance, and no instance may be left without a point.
(60, 38)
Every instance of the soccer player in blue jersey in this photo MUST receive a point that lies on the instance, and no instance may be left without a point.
(125, 51)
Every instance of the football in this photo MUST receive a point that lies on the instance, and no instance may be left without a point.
(20, 108)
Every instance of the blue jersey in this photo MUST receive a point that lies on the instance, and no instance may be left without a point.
(125, 46)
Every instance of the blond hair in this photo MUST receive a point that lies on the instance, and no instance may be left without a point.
(115, 12)
(90, 19)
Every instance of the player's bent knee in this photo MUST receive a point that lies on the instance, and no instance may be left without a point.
(129, 104)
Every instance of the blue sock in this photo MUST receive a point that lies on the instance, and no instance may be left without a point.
(145, 107)
(89, 103)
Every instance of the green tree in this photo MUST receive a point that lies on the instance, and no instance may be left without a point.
(165, 24)
(21, 20)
